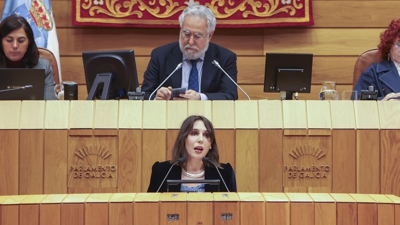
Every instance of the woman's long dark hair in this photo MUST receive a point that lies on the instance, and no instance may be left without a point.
(15, 22)
(179, 149)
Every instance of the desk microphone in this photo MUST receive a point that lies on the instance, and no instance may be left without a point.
(177, 68)
(206, 159)
(14, 88)
(237, 85)
(180, 161)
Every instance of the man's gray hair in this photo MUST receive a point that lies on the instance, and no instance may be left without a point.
(202, 12)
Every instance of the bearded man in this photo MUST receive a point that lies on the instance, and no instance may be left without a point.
(198, 73)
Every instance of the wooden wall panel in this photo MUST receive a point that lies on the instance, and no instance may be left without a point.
(120, 213)
(31, 162)
(277, 213)
(50, 214)
(154, 142)
(344, 161)
(55, 161)
(226, 140)
(389, 161)
(170, 208)
(222, 116)
(29, 214)
(142, 210)
(96, 214)
(10, 114)
(130, 161)
(171, 138)
(360, 160)
(91, 150)
(247, 167)
(252, 213)
(368, 177)
(9, 215)
(346, 213)
(367, 214)
(352, 13)
(301, 213)
(386, 214)
(270, 160)
(199, 213)
(325, 213)
(73, 213)
(9, 162)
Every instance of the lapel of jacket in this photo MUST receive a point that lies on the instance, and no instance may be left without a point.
(211, 174)
(173, 60)
(175, 174)
(209, 70)
(389, 75)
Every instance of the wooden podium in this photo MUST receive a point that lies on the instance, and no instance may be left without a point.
(200, 208)
(64, 147)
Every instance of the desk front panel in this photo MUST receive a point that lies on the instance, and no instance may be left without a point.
(290, 146)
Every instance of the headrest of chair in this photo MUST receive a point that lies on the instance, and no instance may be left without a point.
(47, 54)
(364, 61)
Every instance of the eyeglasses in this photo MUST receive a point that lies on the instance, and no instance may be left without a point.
(188, 34)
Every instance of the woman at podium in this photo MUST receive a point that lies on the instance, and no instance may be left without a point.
(194, 166)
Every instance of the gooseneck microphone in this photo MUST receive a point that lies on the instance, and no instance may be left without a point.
(180, 161)
(206, 159)
(177, 68)
(14, 88)
(237, 85)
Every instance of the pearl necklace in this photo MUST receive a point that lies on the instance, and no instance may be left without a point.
(192, 175)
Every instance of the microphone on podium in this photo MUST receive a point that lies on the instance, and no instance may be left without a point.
(206, 159)
(237, 85)
(14, 88)
(177, 68)
(180, 161)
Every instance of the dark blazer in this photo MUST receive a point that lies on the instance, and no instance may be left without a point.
(214, 83)
(383, 76)
(159, 170)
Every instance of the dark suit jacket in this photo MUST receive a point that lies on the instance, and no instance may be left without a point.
(383, 76)
(159, 170)
(214, 83)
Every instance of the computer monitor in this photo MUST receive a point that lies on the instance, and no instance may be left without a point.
(110, 74)
(288, 73)
(210, 182)
(21, 84)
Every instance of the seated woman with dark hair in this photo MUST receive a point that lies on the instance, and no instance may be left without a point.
(384, 76)
(19, 50)
(196, 140)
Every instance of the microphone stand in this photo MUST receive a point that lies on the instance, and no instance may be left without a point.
(177, 67)
(205, 160)
(180, 160)
(237, 85)
(16, 88)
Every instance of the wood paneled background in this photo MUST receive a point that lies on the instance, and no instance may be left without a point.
(51, 147)
(342, 31)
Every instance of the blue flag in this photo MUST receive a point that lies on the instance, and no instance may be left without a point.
(39, 15)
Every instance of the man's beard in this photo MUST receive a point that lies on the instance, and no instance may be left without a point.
(191, 55)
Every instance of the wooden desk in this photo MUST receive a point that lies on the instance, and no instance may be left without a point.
(60, 147)
(201, 208)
